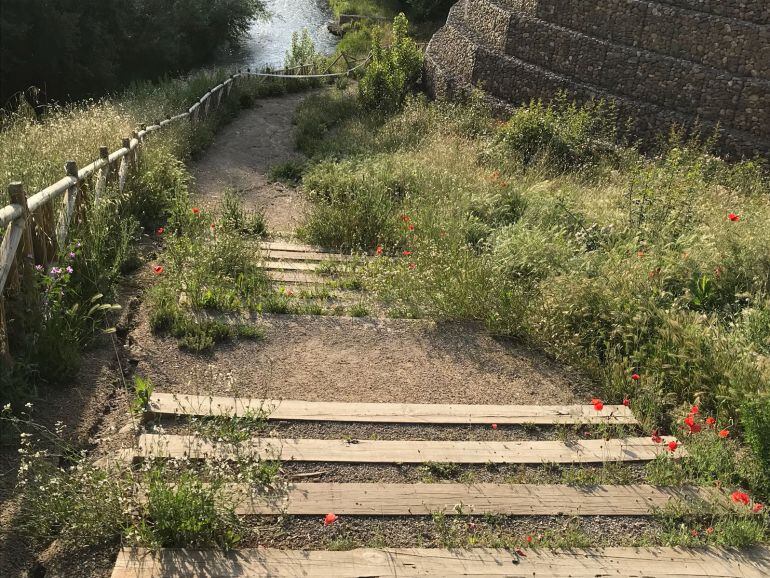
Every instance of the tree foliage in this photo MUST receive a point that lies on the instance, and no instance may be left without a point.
(76, 48)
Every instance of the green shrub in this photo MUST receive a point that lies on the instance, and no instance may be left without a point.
(560, 136)
(187, 513)
(393, 71)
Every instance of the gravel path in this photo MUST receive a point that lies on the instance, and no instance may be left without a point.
(357, 359)
(241, 155)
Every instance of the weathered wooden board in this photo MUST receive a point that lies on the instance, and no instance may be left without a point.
(295, 277)
(289, 266)
(420, 562)
(425, 499)
(409, 451)
(304, 256)
(296, 247)
(286, 409)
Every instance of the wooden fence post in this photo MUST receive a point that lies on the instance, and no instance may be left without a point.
(25, 255)
(104, 174)
(70, 200)
(125, 164)
(135, 152)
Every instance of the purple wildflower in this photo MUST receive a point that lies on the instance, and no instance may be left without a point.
(72, 255)
(55, 271)
(39, 268)
(69, 269)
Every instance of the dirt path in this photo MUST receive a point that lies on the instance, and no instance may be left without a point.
(242, 154)
(358, 359)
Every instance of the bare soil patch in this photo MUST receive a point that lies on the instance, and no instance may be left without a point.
(359, 359)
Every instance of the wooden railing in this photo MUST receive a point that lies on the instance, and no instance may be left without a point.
(33, 230)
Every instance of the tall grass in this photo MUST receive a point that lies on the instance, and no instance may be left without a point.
(547, 227)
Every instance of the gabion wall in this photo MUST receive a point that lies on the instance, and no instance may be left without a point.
(695, 63)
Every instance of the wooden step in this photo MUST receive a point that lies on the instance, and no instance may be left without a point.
(460, 499)
(293, 247)
(296, 277)
(289, 266)
(309, 256)
(412, 452)
(198, 405)
(419, 562)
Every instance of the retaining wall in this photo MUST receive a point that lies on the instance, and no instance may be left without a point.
(702, 63)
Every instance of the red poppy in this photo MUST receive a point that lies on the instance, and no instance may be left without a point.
(626, 402)
(598, 406)
(157, 269)
(412, 265)
(657, 439)
(378, 250)
(529, 539)
(724, 433)
(689, 420)
(757, 508)
(405, 218)
(330, 518)
(406, 253)
(694, 533)
(411, 227)
(694, 410)
(695, 428)
(672, 445)
(709, 530)
(196, 210)
(635, 377)
(494, 426)
(740, 497)
(733, 217)
(159, 231)
(710, 421)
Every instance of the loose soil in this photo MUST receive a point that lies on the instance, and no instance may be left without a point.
(361, 359)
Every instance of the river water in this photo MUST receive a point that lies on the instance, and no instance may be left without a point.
(269, 39)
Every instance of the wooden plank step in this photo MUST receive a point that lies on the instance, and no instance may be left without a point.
(412, 452)
(297, 277)
(298, 256)
(294, 247)
(419, 562)
(423, 413)
(456, 499)
(289, 266)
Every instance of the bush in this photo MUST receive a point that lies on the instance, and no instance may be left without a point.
(560, 136)
(186, 514)
(393, 71)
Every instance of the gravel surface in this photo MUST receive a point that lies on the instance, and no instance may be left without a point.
(359, 359)
(308, 532)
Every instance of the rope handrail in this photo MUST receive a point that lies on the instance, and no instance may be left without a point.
(31, 233)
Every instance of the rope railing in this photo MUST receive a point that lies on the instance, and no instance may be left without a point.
(32, 232)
